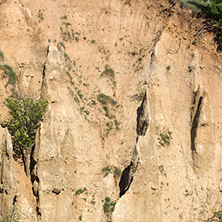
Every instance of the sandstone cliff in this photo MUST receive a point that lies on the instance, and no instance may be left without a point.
(135, 92)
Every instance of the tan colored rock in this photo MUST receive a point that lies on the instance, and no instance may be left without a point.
(91, 60)
(10, 193)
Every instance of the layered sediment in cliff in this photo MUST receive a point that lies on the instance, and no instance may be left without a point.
(134, 118)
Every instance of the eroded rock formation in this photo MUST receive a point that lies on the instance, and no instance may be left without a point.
(120, 77)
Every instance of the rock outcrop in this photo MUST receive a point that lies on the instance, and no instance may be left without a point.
(133, 130)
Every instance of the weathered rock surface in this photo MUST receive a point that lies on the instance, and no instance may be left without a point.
(127, 90)
(12, 197)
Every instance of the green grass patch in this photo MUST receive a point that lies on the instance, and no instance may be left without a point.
(104, 99)
(11, 74)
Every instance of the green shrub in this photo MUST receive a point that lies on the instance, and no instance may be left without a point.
(108, 207)
(109, 126)
(12, 216)
(64, 17)
(216, 11)
(93, 102)
(117, 171)
(133, 53)
(24, 117)
(108, 71)
(164, 136)
(79, 191)
(11, 74)
(117, 124)
(200, 5)
(61, 45)
(104, 99)
(217, 216)
(106, 110)
(106, 170)
(1, 54)
(168, 67)
(40, 14)
(141, 95)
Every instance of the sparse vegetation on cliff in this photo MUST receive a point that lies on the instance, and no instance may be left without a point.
(217, 216)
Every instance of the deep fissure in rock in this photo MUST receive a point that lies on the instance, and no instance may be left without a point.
(195, 124)
(14, 200)
(34, 178)
(142, 126)
(43, 75)
(128, 173)
(125, 180)
(44, 68)
(142, 118)
(32, 167)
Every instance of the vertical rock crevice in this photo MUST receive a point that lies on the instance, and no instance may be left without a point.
(125, 180)
(33, 161)
(202, 135)
(128, 172)
(34, 176)
(195, 124)
(44, 68)
(143, 120)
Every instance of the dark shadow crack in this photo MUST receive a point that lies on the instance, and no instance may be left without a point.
(128, 173)
(125, 180)
(195, 124)
(142, 118)
(44, 68)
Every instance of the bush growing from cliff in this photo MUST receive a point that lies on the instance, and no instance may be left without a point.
(24, 117)
(12, 216)
(108, 207)
(11, 75)
(213, 10)
(216, 11)
(164, 136)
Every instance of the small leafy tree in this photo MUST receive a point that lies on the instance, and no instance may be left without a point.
(24, 117)
(216, 10)
(12, 216)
